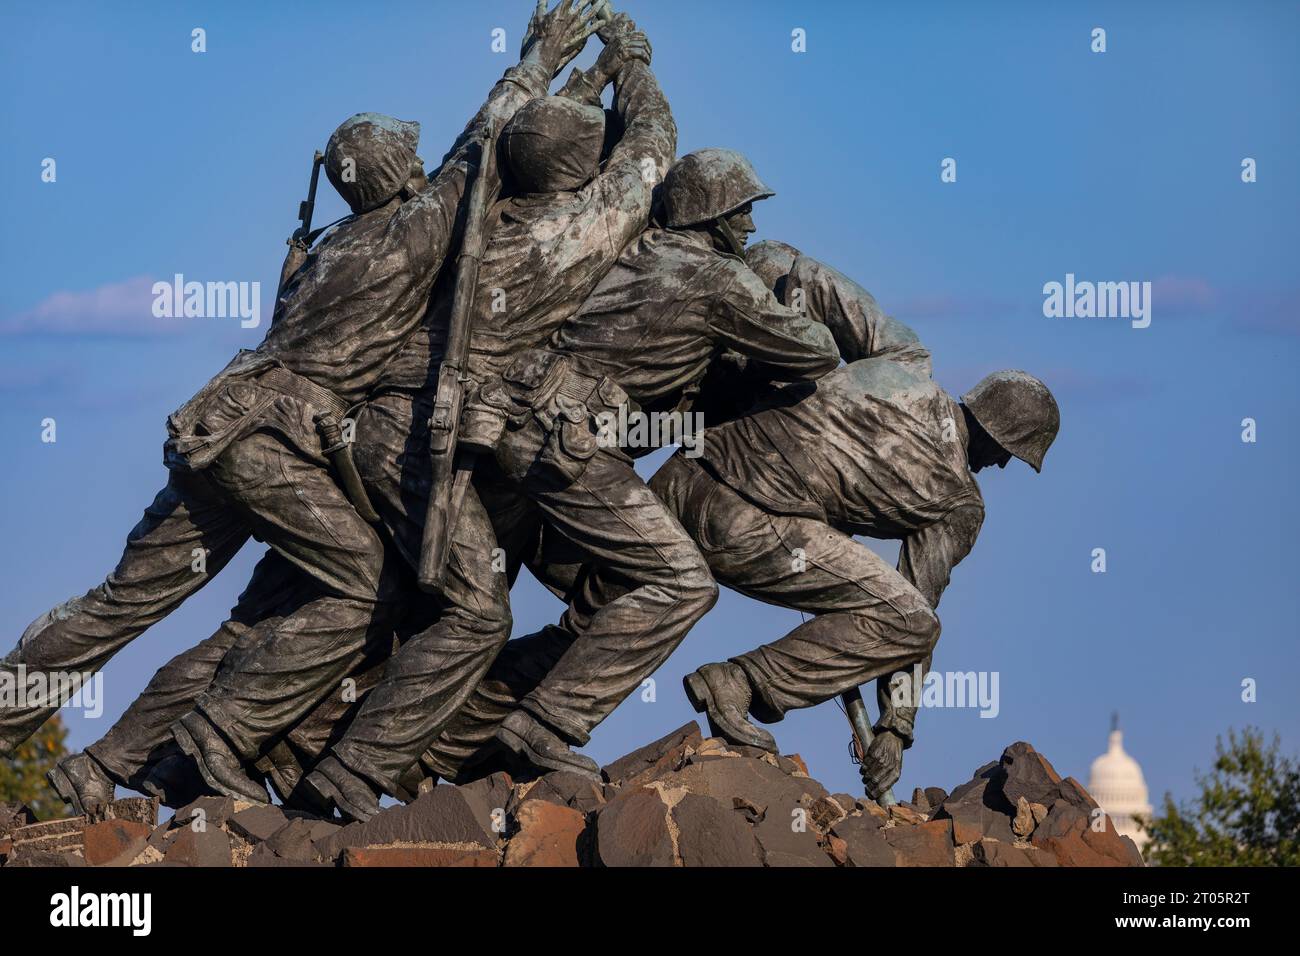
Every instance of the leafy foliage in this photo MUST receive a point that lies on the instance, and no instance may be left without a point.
(22, 776)
(1247, 814)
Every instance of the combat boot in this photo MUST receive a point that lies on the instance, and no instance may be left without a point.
(722, 693)
(176, 782)
(355, 797)
(219, 765)
(529, 739)
(82, 783)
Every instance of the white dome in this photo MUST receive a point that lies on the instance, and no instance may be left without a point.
(1117, 784)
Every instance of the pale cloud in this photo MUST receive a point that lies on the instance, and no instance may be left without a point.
(122, 308)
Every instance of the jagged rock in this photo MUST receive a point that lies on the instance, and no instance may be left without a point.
(263, 855)
(753, 780)
(920, 800)
(1023, 824)
(633, 830)
(257, 823)
(423, 856)
(751, 811)
(213, 811)
(50, 836)
(784, 845)
(864, 841)
(905, 815)
(828, 810)
(136, 809)
(489, 797)
(45, 859)
(293, 841)
(708, 834)
(549, 834)
(1066, 833)
(979, 808)
(792, 763)
(1027, 773)
(1039, 812)
(926, 844)
(988, 852)
(935, 796)
(207, 847)
(13, 816)
(663, 755)
(443, 815)
(109, 839)
(838, 849)
(567, 789)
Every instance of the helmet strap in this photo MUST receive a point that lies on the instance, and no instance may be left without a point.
(729, 239)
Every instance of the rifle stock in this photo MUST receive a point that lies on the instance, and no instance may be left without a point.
(451, 467)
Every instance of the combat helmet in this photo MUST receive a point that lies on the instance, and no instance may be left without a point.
(708, 184)
(1018, 411)
(370, 157)
(553, 145)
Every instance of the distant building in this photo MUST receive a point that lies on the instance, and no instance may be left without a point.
(1117, 784)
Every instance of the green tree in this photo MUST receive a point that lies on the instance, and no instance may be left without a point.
(22, 776)
(1247, 813)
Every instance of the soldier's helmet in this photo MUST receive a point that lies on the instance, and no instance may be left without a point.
(370, 157)
(1018, 411)
(707, 184)
(552, 145)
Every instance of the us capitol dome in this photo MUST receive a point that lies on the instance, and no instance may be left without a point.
(1117, 784)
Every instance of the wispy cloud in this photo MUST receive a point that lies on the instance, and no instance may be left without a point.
(115, 309)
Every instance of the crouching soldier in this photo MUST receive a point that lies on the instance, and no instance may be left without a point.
(876, 448)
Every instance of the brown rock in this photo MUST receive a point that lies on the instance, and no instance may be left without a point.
(904, 815)
(207, 847)
(1039, 812)
(979, 809)
(442, 816)
(45, 859)
(549, 834)
(135, 809)
(567, 789)
(13, 816)
(783, 845)
(753, 780)
(1066, 833)
(826, 811)
(838, 849)
(920, 800)
(926, 844)
(935, 796)
(49, 836)
(1027, 773)
(257, 823)
(864, 842)
(708, 834)
(990, 852)
(663, 755)
(376, 856)
(487, 795)
(795, 759)
(212, 811)
(1023, 824)
(108, 840)
(632, 830)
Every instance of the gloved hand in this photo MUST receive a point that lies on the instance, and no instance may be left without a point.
(883, 764)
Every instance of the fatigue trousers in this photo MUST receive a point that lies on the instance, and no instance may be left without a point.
(659, 583)
(263, 486)
(436, 669)
(870, 621)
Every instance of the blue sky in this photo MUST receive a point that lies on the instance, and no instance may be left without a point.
(1115, 166)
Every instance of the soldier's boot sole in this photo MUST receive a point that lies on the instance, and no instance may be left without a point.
(243, 788)
(700, 696)
(522, 748)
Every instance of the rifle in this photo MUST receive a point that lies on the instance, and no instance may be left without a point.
(301, 239)
(856, 709)
(453, 466)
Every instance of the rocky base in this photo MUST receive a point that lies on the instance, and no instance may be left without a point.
(680, 801)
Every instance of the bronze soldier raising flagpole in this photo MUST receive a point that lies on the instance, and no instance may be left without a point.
(480, 326)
